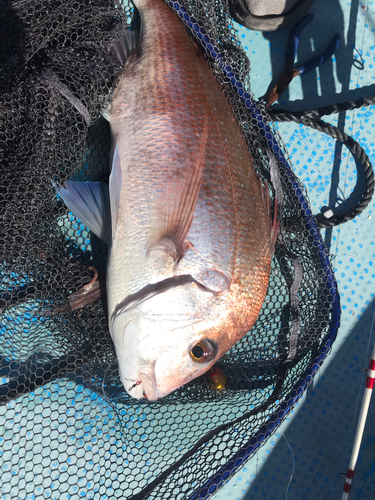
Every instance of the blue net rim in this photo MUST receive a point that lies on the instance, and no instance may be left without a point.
(280, 413)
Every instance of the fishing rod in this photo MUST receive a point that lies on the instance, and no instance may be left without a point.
(370, 381)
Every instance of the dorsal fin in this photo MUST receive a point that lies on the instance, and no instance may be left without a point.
(175, 212)
(126, 46)
(123, 49)
(115, 185)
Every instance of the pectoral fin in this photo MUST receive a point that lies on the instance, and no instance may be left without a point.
(126, 46)
(115, 184)
(89, 202)
(175, 211)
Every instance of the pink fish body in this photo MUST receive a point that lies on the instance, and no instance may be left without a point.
(191, 239)
(190, 206)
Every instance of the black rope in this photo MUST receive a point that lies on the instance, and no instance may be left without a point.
(278, 114)
(311, 118)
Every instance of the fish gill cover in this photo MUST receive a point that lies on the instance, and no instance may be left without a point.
(68, 428)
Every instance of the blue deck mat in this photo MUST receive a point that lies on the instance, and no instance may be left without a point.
(305, 458)
(320, 430)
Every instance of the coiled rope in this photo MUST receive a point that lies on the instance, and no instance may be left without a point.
(311, 118)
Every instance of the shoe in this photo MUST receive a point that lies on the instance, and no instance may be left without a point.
(268, 15)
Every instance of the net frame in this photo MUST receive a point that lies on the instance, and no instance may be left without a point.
(73, 367)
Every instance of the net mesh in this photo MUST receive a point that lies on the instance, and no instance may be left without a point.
(68, 427)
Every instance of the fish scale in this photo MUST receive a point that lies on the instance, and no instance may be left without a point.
(169, 79)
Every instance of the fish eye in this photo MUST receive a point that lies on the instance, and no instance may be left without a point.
(203, 351)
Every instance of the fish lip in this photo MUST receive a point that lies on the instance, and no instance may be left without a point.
(148, 379)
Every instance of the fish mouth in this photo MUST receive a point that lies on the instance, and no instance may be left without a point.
(148, 382)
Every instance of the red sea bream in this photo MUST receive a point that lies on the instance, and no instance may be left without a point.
(191, 237)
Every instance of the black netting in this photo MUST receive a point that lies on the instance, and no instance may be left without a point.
(70, 429)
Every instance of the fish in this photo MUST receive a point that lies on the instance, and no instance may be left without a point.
(187, 220)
